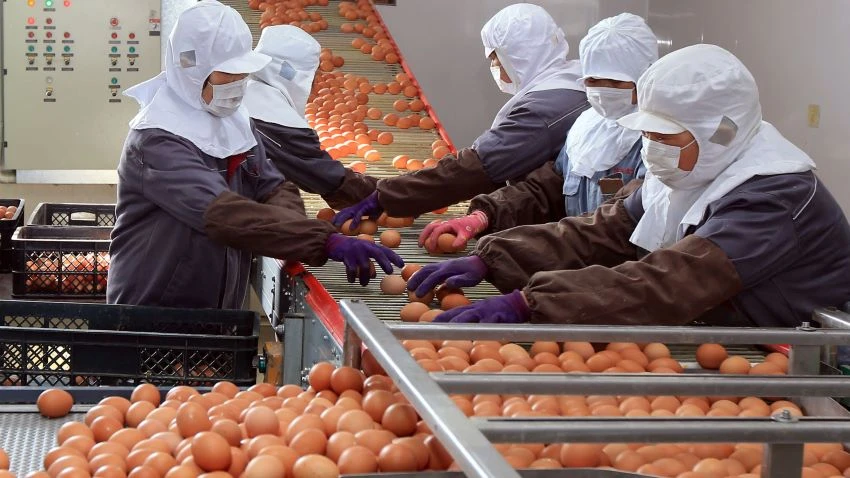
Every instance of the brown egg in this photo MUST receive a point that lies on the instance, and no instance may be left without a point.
(138, 412)
(54, 403)
(51, 457)
(264, 466)
(314, 466)
(67, 461)
(354, 421)
(412, 297)
(310, 441)
(400, 418)
(452, 301)
(192, 419)
(146, 392)
(72, 429)
(320, 376)
(412, 311)
(357, 459)
(228, 389)
(368, 227)
(103, 410)
(766, 368)
(397, 457)
(376, 402)
(301, 423)
(261, 421)
(408, 271)
(112, 471)
(284, 454)
(104, 427)
(391, 238)
(66, 473)
(710, 356)
(585, 349)
(735, 365)
(393, 285)
(82, 443)
(346, 378)
(665, 363)
(374, 440)
(211, 451)
(445, 244)
(655, 351)
(580, 455)
(778, 359)
(599, 362)
(338, 443)
(165, 414)
(121, 403)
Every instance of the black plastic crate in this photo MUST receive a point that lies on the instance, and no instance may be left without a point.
(62, 344)
(7, 229)
(60, 262)
(73, 214)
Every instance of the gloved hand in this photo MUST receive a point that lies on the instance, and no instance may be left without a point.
(505, 309)
(356, 254)
(456, 273)
(465, 228)
(368, 207)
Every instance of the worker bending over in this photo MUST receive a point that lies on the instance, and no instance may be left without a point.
(196, 193)
(730, 213)
(276, 99)
(528, 58)
(599, 156)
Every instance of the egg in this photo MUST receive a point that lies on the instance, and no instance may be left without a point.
(264, 466)
(430, 315)
(181, 393)
(778, 359)
(585, 349)
(426, 299)
(309, 441)
(354, 421)
(374, 440)
(72, 429)
(104, 427)
(120, 403)
(445, 244)
(735, 365)
(314, 466)
(390, 238)
(146, 392)
(320, 376)
(4, 460)
(82, 443)
(261, 421)
(192, 419)
(211, 451)
(452, 301)
(376, 402)
(357, 459)
(138, 412)
(710, 356)
(400, 418)
(393, 285)
(346, 378)
(580, 455)
(397, 457)
(346, 228)
(368, 227)
(103, 410)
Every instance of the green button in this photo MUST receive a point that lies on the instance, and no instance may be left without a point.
(49, 49)
(132, 49)
(67, 49)
(114, 80)
(31, 48)
(48, 3)
(115, 49)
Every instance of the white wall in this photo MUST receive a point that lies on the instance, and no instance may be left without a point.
(797, 50)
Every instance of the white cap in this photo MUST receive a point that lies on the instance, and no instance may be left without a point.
(618, 48)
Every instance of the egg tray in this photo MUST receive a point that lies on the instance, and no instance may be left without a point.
(73, 214)
(7, 229)
(469, 440)
(62, 344)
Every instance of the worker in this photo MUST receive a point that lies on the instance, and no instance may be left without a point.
(196, 194)
(276, 99)
(528, 59)
(732, 215)
(599, 156)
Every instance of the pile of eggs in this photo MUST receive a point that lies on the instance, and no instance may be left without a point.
(7, 212)
(290, 12)
(349, 421)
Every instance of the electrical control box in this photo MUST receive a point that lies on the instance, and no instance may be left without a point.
(66, 64)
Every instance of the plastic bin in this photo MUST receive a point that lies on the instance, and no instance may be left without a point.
(7, 229)
(73, 214)
(66, 343)
(60, 262)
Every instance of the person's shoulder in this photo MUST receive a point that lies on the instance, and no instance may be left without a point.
(778, 192)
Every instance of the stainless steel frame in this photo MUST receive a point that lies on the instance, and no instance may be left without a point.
(468, 440)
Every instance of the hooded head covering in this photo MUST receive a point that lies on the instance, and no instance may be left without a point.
(618, 48)
(278, 93)
(532, 49)
(208, 37)
(707, 91)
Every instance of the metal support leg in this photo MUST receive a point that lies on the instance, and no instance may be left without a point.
(351, 348)
(782, 460)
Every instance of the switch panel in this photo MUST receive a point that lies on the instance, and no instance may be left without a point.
(67, 64)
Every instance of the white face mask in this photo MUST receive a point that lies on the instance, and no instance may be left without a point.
(663, 161)
(509, 88)
(226, 98)
(611, 103)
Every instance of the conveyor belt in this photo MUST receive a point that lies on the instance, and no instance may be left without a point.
(414, 142)
(27, 436)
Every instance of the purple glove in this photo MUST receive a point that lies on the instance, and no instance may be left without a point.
(504, 309)
(357, 254)
(368, 207)
(456, 273)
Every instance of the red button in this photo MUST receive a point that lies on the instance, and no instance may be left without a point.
(113, 22)
(31, 20)
(67, 35)
(67, 3)
(31, 34)
(114, 36)
(49, 21)
(49, 34)
(132, 36)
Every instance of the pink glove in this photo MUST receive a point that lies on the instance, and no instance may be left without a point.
(465, 228)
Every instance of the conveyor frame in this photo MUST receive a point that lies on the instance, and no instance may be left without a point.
(467, 439)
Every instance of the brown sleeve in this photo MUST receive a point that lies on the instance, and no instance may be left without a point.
(267, 229)
(537, 199)
(287, 196)
(451, 181)
(671, 286)
(514, 255)
(354, 188)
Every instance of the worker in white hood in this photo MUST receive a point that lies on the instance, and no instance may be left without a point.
(738, 228)
(196, 193)
(276, 99)
(599, 156)
(529, 52)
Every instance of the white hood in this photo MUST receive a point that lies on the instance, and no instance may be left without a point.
(618, 48)
(278, 93)
(208, 37)
(532, 49)
(706, 90)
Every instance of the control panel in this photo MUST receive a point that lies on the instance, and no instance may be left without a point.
(66, 64)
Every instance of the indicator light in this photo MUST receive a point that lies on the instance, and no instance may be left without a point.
(49, 34)
(114, 36)
(67, 49)
(31, 20)
(48, 3)
(115, 49)
(67, 3)
(114, 80)
(31, 34)
(49, 49)
(113, 21)
(31, 48)
(132, 36)
(132, 49)
(49, 21)
(31, 3)
(67, 35)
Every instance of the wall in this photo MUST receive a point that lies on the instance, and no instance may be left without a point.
(796, 50)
